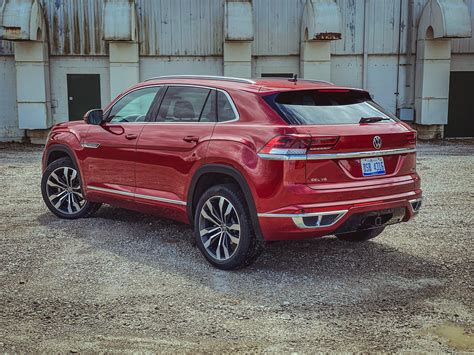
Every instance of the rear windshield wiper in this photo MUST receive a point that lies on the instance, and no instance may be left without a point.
(372, 119)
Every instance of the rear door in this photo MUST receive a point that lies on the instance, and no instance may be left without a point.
(366, 143)
(169, 148)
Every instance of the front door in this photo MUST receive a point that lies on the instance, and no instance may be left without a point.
(168, 149)
(83, 91)
(111, 147)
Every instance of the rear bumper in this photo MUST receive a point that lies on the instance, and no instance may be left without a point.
(345, 216)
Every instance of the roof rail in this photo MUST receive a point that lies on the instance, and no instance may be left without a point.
(204, 77)
(317, 81)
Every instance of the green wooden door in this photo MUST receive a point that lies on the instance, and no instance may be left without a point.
(461, 105)
(83, 91)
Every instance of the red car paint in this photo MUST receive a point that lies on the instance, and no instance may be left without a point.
(152, 167)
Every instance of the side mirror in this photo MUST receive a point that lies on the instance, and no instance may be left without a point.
(94, 117)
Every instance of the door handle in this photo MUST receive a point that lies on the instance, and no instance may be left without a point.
(191, 139)
(131, 136)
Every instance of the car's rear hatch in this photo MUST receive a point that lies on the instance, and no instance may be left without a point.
(353, 140)
(344, 161)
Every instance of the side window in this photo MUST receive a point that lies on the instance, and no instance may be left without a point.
(209, 113)
(183, 104)
(134, 106)
(224, 108)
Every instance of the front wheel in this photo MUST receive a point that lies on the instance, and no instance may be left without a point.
(360, 236)
(223, 228)
(62, 191)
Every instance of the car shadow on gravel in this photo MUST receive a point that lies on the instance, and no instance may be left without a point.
(325, 269)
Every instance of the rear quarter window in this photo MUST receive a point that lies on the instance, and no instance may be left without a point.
(327, 107)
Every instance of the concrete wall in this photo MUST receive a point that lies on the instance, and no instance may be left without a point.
(8, 108)
(61, 66)
(462, 62)
(346, 70)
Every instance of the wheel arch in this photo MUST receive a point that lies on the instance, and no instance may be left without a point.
(57, 151)
(229, 172)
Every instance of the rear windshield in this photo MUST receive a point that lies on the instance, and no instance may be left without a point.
(327, 107)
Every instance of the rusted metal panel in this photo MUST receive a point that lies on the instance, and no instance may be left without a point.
(6, 48)
(352, 14)
(277, 27)
(195, 27)
(385, 25)
(75, 27)
(181, 27)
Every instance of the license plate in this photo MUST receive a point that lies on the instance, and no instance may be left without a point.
(372, 166)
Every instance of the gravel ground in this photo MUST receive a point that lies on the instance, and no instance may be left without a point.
(123, 281)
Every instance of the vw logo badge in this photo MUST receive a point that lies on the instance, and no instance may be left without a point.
(377, 142)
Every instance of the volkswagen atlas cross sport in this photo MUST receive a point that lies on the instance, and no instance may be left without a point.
(243, 161)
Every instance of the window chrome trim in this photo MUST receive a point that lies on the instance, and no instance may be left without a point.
(318, 156)
(229, 98)
(131, 194)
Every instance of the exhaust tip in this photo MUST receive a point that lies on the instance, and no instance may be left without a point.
(416, 204)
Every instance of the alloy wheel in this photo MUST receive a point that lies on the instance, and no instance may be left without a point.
(219, 228)
(63, 189)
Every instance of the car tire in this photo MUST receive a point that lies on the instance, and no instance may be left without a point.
(360, 236)
(223, 228)
(61, 187)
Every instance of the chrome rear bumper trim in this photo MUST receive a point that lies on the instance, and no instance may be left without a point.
(131, 194)
(351, 155)
(298, 219)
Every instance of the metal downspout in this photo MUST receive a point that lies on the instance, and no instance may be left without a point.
(400, 30)
(365, 46)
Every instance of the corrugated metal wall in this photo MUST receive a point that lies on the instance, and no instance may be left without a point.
(194, 27)
(180, 28)
(277, 27)
(465, 45)
(75, 27)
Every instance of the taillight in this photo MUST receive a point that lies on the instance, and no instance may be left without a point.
(322, 142)
(298, 144)
(288, 144)
(411, 137)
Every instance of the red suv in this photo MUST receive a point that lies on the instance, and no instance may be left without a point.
(243, 161)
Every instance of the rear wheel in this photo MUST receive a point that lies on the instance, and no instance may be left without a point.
(223, 228)
(62, 191)
(360, 236)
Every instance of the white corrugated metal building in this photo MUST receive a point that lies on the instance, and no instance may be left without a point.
(61, 57)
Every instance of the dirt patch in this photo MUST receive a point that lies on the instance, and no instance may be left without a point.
(124, 281)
